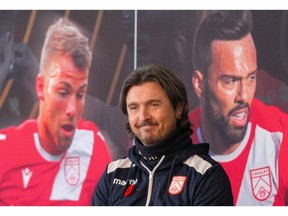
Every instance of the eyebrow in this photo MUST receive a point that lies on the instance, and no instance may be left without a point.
(71, 86)
(237, 77)
(147, 102)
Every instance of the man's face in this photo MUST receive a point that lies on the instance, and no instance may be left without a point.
(230, 87)
(62, 103)
(150, 113)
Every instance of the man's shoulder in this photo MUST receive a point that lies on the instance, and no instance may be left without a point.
(268, 116)
(12, 136)
(86, 124)
(98, 137)
(123, 163)
(259, 107)
(90, 126)
(12, 130)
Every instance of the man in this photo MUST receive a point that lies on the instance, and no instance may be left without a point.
(163, 167)
(19, 69)
(246, 137)
(58, 158)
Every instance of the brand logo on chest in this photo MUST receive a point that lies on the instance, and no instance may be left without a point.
(177, 185)
(26, 175)
(72, 170)
(261, 183)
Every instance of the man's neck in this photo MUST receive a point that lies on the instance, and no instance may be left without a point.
(218, 144)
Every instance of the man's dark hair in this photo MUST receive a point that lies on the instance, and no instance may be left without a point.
(218, 25)
(173, 87)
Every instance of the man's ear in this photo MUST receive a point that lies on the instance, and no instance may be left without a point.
(40, 83)
(179, 110)
(198, 83)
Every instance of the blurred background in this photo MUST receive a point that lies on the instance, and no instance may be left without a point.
(122, 40)
(163, 37)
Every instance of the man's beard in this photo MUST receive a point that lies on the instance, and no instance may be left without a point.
(231, 134)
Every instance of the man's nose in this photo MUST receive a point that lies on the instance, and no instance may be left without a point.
(71, 106)
(144, 113)
(242, 92)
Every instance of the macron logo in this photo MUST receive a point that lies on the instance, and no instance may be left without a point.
(26, 175)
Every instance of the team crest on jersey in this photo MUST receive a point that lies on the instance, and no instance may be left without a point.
(72, 170)
(261, 183)
(177, 185)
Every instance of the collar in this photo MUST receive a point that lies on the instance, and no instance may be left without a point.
(178, 140)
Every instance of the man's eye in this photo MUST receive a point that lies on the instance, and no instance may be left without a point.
(132, 108)
(80, 95)
(62, 92)
(230, 81)
(252, 77)
(154, 104)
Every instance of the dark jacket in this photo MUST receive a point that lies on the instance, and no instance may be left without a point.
(171, 173)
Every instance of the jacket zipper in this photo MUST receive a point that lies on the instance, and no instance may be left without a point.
(151, 175)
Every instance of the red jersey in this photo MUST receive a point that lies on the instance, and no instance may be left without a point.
(257, 169)
(31, 176)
